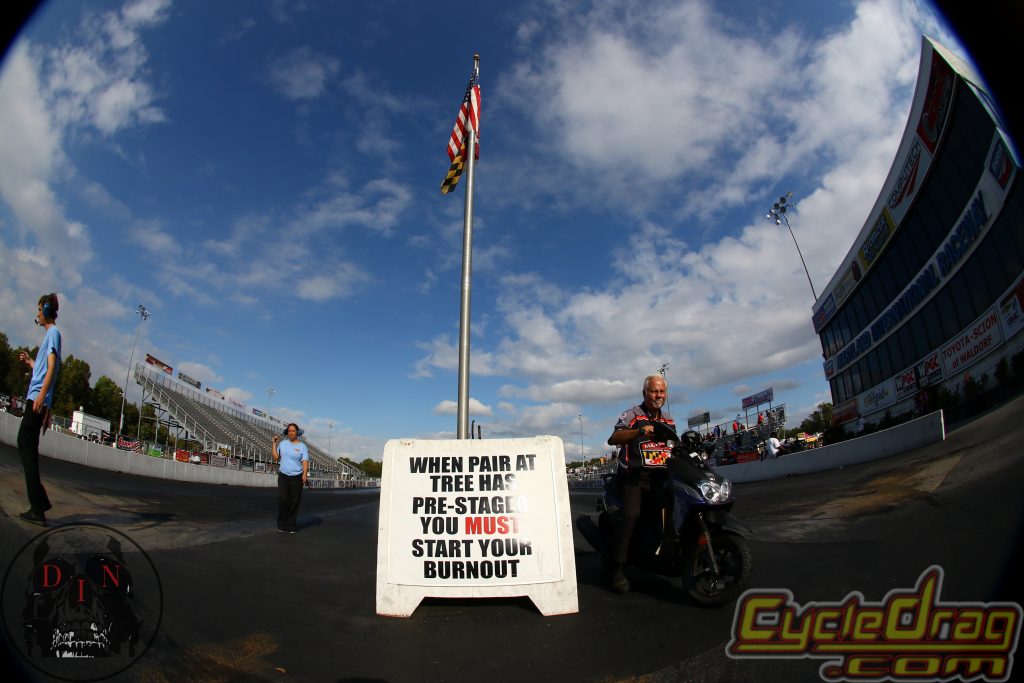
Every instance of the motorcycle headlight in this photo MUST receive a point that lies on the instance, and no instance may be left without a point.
(715, 492)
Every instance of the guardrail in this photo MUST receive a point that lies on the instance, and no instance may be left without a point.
(55, 444)
(908, 436)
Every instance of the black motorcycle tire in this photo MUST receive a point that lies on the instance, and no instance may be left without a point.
(736, 565)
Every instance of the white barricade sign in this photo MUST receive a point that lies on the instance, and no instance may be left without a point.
(475, 518)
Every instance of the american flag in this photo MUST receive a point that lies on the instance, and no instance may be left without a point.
(468, 119)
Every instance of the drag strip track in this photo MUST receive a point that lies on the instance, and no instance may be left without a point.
(246, 603)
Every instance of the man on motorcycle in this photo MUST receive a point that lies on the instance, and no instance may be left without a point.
(633, 476)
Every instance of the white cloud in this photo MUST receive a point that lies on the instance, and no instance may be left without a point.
(30, 158)
(97, 83)
(344, 278)
(149, 234)
(452, 408)
(377, 206)
(199, 371)
(282, 10)
(100, 81)
(302, 73)
(145, 12)
(619, 109)
(243, 396)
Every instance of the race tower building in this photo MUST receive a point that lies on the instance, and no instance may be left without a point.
(932, 289)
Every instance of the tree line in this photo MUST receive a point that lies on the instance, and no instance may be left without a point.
(74, 391)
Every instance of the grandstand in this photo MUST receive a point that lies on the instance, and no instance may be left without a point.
(224, 429)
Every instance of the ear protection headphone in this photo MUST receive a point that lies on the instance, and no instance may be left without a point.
(300, 431)
(48, 306)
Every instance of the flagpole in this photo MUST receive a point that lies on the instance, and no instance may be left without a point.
(467, 272)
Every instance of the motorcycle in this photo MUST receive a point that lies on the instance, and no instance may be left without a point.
(710, 555)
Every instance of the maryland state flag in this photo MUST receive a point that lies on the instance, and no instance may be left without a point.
(468, 119)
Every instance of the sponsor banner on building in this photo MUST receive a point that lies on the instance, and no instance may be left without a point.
(213, 392)
(204, 458)
(766, 396)
(159, 364)
(973, 343)
(188, 380)
(937, 102)
(844, 412)
(929, 371)
(1011, 309)
(156, 450)
(822, 315)
(877, 397)
(912, 174)
(1000, 161)
(258, 413)
(906, 383)
(702, 419)
(261, 467)
(237, 404)
(182, 456)
(879, 235)
(847, 283)
(217, 460)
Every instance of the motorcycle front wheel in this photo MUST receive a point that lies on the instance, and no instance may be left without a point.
(735, 567)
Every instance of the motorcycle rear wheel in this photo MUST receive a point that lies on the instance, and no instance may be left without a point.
(735, 564)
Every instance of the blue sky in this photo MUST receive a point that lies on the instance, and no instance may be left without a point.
(264, 177)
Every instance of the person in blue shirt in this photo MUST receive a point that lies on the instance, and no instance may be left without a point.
(291, 476)
(45, 369)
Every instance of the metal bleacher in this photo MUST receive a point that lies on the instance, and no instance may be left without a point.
(225, 428)
(749, 438)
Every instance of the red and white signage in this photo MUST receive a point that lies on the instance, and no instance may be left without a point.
(1011, 309)
(972, 344)
(906, 383)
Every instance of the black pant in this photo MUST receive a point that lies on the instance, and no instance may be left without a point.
(28, 446)
(289, 493)
(634, 484)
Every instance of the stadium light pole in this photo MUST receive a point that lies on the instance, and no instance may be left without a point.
(143, 315)
(580, 418)
(330, 432)
(778, 214)
(271, 391)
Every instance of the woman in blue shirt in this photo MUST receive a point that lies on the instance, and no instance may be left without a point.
(291, 476)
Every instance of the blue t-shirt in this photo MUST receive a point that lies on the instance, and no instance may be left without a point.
(51, 344)
(292, 455)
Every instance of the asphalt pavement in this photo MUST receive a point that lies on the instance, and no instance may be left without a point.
(244, 602)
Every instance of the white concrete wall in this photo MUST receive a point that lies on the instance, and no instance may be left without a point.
(63, 447)
(900, 439)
